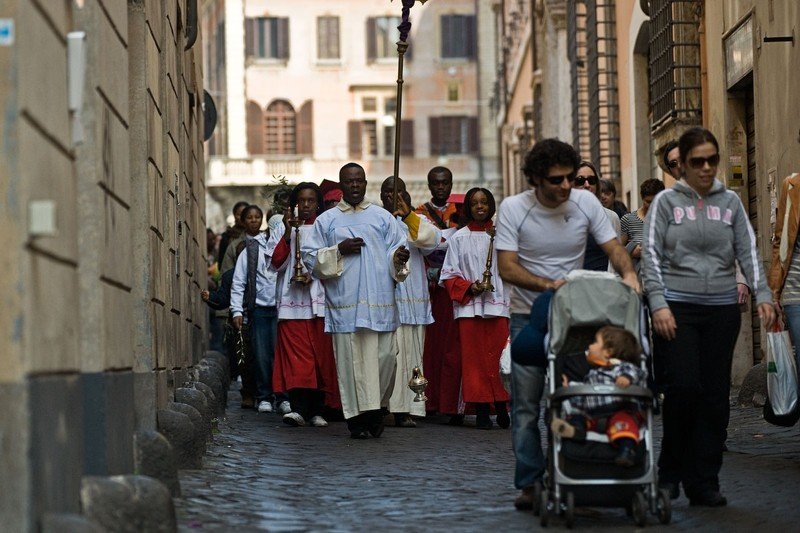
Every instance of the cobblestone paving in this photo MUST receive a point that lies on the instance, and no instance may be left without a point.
(260, 475)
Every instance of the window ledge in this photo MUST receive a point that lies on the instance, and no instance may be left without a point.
(329, 62)
(265, 62)
(383, 61)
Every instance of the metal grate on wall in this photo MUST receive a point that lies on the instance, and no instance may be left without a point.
(576, 32)
(601, 47)
(675, 92)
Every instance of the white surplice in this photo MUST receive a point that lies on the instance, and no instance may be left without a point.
(296, 301)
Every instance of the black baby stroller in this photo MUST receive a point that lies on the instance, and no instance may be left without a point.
(584, 473)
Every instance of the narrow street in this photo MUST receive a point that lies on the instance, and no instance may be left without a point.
(261, 475)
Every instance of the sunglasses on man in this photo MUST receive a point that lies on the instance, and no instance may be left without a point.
(558, 180)
(580, 180)
(699, 162)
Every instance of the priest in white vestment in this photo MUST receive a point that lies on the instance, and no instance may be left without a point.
(359, 252)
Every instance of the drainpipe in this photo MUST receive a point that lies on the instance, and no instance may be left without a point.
(481, 179)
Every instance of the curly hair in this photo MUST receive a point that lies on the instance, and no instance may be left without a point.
(651, 187)
(621, 343)
(303, 186)
(546, 154)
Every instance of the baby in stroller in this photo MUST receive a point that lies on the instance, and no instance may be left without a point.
(614, 358)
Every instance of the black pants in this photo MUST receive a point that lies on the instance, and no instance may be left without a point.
(695, 372)
(308, 403)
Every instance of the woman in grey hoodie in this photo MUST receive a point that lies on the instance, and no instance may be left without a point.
(693, 234)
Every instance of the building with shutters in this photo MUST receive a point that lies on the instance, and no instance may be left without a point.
(304, 86)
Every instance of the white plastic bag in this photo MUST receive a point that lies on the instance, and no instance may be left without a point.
(781, 373)
(505, 366)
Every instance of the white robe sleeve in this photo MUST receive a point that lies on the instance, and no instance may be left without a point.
(451, 268)
(323, 261)
(395, 238)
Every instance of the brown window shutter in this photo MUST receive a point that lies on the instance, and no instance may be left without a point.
(354, 138)
(283, 38)
(255, 128)
(372, 43)
(446, 34)
(249, 37)
(305, 128)
(471, 36)
(436, 139)
(472, 135)
(333, 36)
(407, 137)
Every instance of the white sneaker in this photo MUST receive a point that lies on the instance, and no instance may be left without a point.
(284, 408)
(293, 419)
(264, 407)
(318, 422)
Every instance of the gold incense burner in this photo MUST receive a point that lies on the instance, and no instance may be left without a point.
(418, 383)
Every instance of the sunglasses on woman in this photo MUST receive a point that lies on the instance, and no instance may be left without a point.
(580, 180)
(558, 180)
(699, 162)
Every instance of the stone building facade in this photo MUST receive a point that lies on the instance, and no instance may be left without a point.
(102, 175)
(309, 85)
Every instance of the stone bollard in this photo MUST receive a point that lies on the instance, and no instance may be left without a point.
(202, 432)
(196, 399)
(181, 434)
(211, 398)
(153, 456)
(222, 360)
(753, 392)
(69, 523)
(126, 504)
(211, 375)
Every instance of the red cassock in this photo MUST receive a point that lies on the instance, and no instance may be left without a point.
(304, 359)
(482, 342)
(441, 358)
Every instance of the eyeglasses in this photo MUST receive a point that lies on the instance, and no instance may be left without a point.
(673, 163)
(558, 180)
(580, 180)
(699, 162)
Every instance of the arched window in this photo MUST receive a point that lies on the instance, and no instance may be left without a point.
(280, 128)
(255, 128)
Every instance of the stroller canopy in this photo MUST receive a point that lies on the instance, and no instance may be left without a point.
(586, 302)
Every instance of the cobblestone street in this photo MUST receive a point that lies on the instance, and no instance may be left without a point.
(262, 475)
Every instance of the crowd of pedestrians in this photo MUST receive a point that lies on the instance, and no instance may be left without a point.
(327, 309)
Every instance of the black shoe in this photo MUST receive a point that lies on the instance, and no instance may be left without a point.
(674, 489)
(483, 422)
(503, 420)
(360, 434)
(456, 420)
(711, 498)
(626, 456)
(375, 424)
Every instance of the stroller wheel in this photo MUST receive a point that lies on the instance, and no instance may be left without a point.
(639, 509)
(544, 509)
(569, 511)
(664, 507)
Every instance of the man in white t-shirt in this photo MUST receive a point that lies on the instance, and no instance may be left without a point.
(541, 236)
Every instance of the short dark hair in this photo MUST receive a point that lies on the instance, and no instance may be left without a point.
(240, 204)
(670, 146)
(440, 170)
(621, 343)
(352, 165)
(303, 186)
(546, 154)
(651, 187)
(401, 185)
(249, 208)
(694, 137)
(468, 198)
(607, 185)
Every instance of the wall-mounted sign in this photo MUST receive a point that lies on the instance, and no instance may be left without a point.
(739, 53)
(736, 174)
(6, 32)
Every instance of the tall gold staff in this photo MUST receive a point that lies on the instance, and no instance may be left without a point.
(417, 383)
(402, 46)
